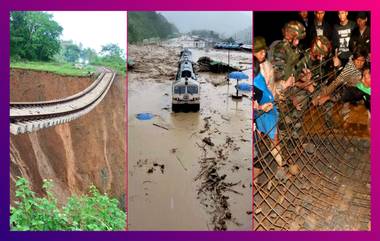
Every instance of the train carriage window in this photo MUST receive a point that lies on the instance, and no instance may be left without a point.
(192, 89)
(179, 89)
(186, 74)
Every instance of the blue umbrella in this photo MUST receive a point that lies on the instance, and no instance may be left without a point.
(237, 75)
(244, 87)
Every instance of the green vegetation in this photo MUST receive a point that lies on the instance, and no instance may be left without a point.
(111, 56)
(71, 52)
(34, 36)
(145, 25)
(35, 44)
(119, 66)
(57, 68)
(88, 212)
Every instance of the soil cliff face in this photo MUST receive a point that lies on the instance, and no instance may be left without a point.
(89, 150)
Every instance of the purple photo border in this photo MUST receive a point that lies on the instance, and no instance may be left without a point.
(149, 5)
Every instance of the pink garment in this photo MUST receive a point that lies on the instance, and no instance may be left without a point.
(267, 71)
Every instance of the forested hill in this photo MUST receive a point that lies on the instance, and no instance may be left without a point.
(145, 25)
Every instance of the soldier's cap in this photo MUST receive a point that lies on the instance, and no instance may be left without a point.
(296, 29)
(320, 46)
(259, 44)
(361, 15)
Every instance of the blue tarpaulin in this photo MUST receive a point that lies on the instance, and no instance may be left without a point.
(144, 116)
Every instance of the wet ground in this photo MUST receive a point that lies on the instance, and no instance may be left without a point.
(187, 171)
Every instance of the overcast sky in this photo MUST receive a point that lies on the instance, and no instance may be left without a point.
(92, 28)
(227, 23)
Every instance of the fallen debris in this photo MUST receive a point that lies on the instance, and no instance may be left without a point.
(162, 167)
(208, 141)
(225, 118)
(309, 148)
(206, 64)
(294, 169)
(179, 160)
(163, 127)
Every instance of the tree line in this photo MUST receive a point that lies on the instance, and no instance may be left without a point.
(35, 36)
(145, 25)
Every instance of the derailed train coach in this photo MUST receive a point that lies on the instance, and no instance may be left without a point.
(185, 88)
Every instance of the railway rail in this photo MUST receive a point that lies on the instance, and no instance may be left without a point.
(26, 117)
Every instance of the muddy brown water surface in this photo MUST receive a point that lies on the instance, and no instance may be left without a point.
(187, 171)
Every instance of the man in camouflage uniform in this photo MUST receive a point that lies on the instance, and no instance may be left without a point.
(320, 49)
(311, 70)
(284, 55)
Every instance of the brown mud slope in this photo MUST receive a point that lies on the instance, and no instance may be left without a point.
(89, 150)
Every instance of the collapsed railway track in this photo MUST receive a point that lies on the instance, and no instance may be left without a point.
(26, 117)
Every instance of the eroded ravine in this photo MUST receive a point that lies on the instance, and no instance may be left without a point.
(75, 155)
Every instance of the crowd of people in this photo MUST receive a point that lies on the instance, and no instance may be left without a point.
(315, 62)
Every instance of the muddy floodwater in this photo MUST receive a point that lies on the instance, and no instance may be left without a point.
(188, 170)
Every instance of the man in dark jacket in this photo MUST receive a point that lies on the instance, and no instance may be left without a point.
(360, 38)
(320, 27)
(305, 19)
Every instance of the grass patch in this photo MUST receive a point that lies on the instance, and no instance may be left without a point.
(54, 67)
(118, 65)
